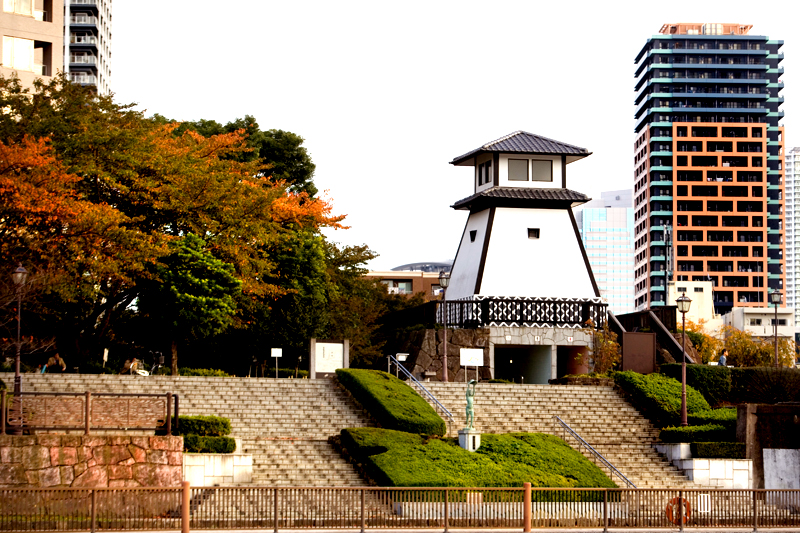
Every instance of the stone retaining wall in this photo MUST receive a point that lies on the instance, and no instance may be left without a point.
(90, 461)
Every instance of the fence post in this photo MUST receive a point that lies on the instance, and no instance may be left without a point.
(755, 511)
(526, 510)
(363, 515)
(680, 509)
(275, 508)
(88, 413)
(169, 414)
(94, 510)
(605, 511)
(446, 510)
(185, 506)
(177, 414)
(3, 412)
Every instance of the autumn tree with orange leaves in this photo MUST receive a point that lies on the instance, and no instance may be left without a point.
(95, 195)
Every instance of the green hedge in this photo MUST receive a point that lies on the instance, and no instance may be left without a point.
(725, 417)
(658, 397)
(202, 444)
(204, 426)
(391, 402)
(707, 433)
(718, 450)
(721, 385)
(208, 372)
(713, 382)
(398, 459)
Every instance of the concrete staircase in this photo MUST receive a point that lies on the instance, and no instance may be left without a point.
(284, 423)
(597, 413)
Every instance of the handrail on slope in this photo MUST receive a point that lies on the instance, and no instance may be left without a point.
(594, 452)
(428, 393)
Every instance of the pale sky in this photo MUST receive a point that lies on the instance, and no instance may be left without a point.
(386, 94)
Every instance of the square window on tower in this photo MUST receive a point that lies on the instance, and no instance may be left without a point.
(533, 233)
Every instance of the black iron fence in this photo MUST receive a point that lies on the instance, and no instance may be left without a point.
(484, 311)
(274, 508)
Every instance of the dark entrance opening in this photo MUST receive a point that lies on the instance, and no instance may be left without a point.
(522, 364)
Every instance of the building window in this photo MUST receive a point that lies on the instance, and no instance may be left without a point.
(472, 234)
(755, 322)
(698, 289)
(541, 170)
(397, 287)
(18, 53)
(681, 289)
(20, 7)
(533, 233)
(517, 170)
(781, 322)
(484, 172)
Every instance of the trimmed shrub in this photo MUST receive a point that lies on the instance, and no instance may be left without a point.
(204, 426)
(398, 459)
(718, 450)
(713, 382)
(707, 433)
(203, 444)
(765, 385)
(207, 372)
(723, 417)
(658, 397)
(391, 402)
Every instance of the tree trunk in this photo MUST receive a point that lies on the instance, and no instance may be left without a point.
(174, 359)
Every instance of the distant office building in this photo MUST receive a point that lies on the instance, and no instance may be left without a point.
(792, 169)
(607, 228)
(32, 36)
(87, 43)
(708, 164)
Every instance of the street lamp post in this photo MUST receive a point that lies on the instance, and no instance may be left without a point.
(775, 298)
(683, 306)
(444, 281)
(19, 277)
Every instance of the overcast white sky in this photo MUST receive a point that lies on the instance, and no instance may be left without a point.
(387, 93)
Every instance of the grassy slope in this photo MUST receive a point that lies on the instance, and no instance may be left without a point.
(394, 458)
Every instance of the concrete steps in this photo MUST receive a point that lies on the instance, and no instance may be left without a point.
(597, 413)
(284, 423)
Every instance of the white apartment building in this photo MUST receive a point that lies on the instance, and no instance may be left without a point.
(792, 169)
(87, 43)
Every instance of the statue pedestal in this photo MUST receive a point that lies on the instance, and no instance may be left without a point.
(469, 439)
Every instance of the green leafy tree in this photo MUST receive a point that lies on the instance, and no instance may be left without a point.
(193, 296)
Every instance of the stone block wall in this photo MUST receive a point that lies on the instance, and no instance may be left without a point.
(426, 351)
(90, 461)
(720, 473)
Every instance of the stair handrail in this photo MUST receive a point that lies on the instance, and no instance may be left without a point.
(430, 395)
(594, 452)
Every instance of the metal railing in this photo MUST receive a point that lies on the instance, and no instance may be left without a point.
(63, 411)
(425, 391)
(278, 508)
(484, 311)
(597, 455)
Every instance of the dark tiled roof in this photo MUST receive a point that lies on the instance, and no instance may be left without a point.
(523, 142)
(506, 195)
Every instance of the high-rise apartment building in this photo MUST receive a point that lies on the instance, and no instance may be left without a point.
(709, 177)
(606, 228)
(792, 170)
(31, 39)
(87, 43)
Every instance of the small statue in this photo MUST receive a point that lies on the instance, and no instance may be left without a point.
(471, 404)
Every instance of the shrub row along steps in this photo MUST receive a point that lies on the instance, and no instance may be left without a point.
(284, 423)
(597, 413)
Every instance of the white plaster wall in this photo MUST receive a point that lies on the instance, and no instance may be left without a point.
(551, 265)
(209, 469)
(468, 260)
(555, 184)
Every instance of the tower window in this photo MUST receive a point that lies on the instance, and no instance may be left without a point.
(518, 170)
(533, 233)
(472, 234)
(541, 170)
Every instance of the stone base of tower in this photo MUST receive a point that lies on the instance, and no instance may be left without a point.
(517, 354)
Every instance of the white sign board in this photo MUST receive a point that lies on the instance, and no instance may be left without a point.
(277, 352)
(471, 357)
(329, 356)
